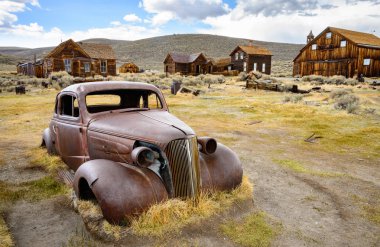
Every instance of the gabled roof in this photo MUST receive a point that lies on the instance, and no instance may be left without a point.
(358, 38)
(90, 50)
(252, 50)
(184, 58)
(100, 51)
(223, 61)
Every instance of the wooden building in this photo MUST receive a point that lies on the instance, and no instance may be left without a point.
(26, 68)
(81, 59)
(193, 64)
(248, 58)
(338, 51)
(129, 68)
(222, 65)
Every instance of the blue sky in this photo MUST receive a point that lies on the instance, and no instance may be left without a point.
(36, 23)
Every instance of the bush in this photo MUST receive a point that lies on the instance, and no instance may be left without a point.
(243, 76)
(293, 98)
(348, 102)
(339, 93)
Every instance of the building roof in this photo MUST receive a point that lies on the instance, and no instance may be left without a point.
(184, 58)
(358, 38)
(223, 61)
(252, 50)
(98, 50)
(91, 50)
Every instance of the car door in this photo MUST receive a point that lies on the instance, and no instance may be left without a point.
(68, 130)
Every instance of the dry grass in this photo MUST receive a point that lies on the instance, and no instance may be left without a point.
(252, 231)
(174, 214)
(167, 217)
(5, 236)
(39, 158)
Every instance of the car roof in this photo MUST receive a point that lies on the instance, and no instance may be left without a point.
(89, 87)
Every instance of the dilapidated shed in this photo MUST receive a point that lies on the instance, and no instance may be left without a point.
(337, 51)
(222, 65)
(193, 64)
(251, 58)
(81, 59)
(129, 68)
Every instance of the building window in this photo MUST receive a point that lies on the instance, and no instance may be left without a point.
(314, 47)
(343, 43)
(236, 56)
(366, 61)
(229, 68)
(67, 65)
(86, 67)
(263, 68)
(245, 66)
(241, 55)
(255, 67)
(103, 66)
(328, 35)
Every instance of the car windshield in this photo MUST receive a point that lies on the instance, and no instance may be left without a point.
(127, 99)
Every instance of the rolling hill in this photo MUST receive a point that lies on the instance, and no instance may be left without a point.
(150, 53)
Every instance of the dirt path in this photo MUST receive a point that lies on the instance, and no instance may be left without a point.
(14, 170)
(46, 223)
(314, 210)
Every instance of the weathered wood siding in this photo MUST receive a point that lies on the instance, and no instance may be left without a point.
(250, 60)
(331, 59)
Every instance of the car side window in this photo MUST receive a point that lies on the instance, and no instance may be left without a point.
(69, 106)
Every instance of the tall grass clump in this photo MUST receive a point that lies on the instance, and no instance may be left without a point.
(5, 236)
(39, 158)
(168, 216)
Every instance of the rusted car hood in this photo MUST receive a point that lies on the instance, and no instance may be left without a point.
(152, 126)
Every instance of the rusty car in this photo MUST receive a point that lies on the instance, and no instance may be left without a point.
(128, 152)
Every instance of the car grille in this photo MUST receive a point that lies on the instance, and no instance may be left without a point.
(183, 156)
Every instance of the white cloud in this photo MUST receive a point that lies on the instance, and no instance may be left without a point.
(115, 23)
(9, 7)
(165, 10)
(293, 28)
(132, 18)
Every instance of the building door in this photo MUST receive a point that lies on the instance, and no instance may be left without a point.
(197, 69)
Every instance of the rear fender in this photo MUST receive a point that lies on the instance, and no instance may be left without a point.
(47, 141)
(121, 190)
(221, 170)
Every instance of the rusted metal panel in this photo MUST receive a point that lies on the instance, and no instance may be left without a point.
(105, 149)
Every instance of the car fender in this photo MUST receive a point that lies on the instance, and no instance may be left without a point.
(221, 170)
(48, 142)
(122, 190)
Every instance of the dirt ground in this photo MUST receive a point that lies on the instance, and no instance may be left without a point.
(313, 209)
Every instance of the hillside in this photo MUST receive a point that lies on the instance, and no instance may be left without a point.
(150, 53)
